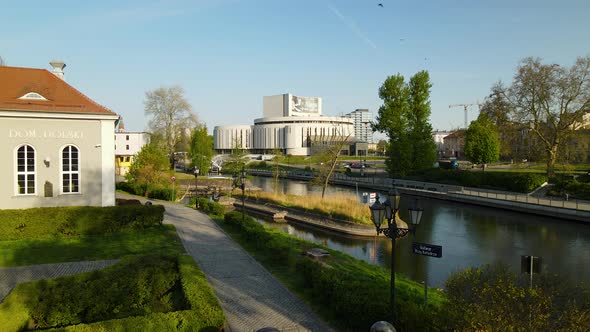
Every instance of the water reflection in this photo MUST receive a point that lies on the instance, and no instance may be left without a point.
(470, 236)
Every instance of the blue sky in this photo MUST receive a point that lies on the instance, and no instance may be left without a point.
(227, 54)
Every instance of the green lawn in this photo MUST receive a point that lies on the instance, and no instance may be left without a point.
(161, 239)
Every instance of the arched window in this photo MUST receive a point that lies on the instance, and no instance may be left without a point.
(25, 170)
(70, 170)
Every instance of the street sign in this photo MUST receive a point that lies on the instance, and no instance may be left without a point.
(427, 249)
(526, 265)
(173, 178)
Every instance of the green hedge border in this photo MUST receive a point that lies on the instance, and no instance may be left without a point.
(205, 314)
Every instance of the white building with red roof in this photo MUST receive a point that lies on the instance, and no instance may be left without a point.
(57, 145)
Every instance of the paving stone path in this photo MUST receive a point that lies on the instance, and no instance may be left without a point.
(250, 296)
(11, 276)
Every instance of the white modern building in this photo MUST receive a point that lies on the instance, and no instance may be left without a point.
(291, 124)
(362, 124)
(127, 145)
(57, 144)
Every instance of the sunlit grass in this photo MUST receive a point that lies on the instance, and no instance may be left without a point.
(345, 204)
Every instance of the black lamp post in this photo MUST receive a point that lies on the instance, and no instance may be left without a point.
(243, 186)
(196, 173)
(389, 211)
(240, 181)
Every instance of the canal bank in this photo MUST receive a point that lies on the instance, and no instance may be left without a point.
(574, 210)
(271, 211)
(471, 235)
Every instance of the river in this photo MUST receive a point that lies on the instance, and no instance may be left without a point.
(470, 236)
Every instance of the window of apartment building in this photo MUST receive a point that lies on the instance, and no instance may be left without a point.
(25, 170)
(126, 137)
(70, 170)
(127, 147)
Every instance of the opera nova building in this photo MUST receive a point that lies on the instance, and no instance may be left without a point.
(291, 125)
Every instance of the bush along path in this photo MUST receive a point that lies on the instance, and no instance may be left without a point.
(250, 296)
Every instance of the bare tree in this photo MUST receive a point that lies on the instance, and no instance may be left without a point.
(327, 149)
(170, 114)
(552, 101)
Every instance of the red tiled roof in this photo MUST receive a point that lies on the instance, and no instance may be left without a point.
(16, 82)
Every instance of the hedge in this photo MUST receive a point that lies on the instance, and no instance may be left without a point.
(143, 286)
(355, 295)
(508, 181)
(153, 192)
(75, 221)
(209, 207)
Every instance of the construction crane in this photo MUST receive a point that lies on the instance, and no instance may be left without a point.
(465, 107)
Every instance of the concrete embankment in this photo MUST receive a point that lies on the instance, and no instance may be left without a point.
(307, 219)
(568, 210)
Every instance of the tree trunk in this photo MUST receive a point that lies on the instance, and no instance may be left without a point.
(551, 159)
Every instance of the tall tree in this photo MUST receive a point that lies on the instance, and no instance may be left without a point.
(404, 118)
(500, 112)
(420, 130)
(201, 149)
(481, 141)
(169, 113)
(551, 100)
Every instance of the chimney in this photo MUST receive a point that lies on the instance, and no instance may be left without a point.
(58, 66)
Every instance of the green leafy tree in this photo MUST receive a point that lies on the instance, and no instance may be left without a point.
(481, 141)
(149, 167)
(201, 149)
(551, 101)
(170, 114)
(404, 118)
(420, 131)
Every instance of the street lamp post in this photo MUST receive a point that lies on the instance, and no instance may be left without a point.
(243, 186)
(240, 181)
(196, 173)
(389, 211)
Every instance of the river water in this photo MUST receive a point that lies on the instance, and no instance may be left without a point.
(470, 236)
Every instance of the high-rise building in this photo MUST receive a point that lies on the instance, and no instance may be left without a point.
(362, 124)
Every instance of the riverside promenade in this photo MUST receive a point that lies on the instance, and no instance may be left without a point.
(250, 296)
(577, 210)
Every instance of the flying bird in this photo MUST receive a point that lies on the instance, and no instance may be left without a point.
(380, 5)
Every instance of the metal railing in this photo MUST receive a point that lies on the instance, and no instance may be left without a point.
(339, 178)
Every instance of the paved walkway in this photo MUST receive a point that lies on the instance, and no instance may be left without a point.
(11, 276)
(250, 296)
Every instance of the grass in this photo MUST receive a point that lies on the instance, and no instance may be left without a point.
(161, 239)
(339, 205)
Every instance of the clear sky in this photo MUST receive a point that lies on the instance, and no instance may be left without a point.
(227, 54)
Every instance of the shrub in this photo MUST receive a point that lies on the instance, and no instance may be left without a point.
(356, 297)
(75, 221)
(209, 207)
(162, 193)
(135, 286)
(198, 307)
(517, 182)
(153, 191)
(494, 298)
